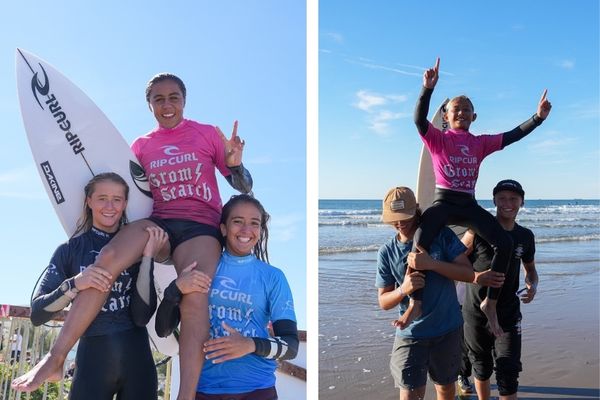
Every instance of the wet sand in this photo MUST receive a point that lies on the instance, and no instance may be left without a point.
(560, 333)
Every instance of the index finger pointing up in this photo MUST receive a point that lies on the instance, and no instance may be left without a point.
(437, 65)
(234, 133)
(544, 95)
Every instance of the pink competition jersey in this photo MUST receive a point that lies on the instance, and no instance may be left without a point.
(180, 166)
(457, 155)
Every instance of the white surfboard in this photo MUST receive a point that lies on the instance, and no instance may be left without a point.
(71, 141)
(426, 177)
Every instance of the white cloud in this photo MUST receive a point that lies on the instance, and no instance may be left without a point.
(566, 64)
(374, 104)
(336, 37)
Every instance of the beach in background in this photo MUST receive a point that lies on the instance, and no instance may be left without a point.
(560, 327)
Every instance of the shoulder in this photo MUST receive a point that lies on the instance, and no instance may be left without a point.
(525, 232)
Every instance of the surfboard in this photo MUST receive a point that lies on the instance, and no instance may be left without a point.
(71, 140)
(425, 176)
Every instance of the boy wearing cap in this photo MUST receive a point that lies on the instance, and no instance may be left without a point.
(431, 343)
(485, 349)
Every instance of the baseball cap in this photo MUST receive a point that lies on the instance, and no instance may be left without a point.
(399, 204)
(509, 184)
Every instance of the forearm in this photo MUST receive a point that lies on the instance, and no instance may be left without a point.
(45, 306)
(168, 314)
(422, 109)
(531, 275)
(283, 346)
(457, 271)
(240, 179)
(391, 298)
(521, 131)
(143, 302)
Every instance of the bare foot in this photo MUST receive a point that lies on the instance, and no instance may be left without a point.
(48, 369)
(488, 307)
(412, 312)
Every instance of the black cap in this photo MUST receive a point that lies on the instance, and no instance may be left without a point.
(509, 184)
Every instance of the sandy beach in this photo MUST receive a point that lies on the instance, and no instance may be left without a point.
(560, 330)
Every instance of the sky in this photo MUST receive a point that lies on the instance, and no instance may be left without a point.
(243, 60)
(501, 54)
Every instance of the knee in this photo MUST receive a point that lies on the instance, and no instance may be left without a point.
(106, 258)
(482, 367)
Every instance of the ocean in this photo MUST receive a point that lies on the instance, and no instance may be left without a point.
(355, 336)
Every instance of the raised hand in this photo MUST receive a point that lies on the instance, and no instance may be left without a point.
(544, 106)
(430, 76)
(234, 147)
(228, 347)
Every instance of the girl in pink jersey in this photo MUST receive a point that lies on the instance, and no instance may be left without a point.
(179, 158)
(457, 155)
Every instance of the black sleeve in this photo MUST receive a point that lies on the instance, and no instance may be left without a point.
(284, 346)
(143, 300)
(168, 315)
(422, 109)
(521, 131)
(49, 298)
(240, 179)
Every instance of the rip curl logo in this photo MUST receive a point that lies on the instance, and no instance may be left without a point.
(139, 178)
(519, 251)
(54, 107)
(464, 149)
(171, 150)
(227, 283)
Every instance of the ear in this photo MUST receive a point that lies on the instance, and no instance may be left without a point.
(474, 116)
(445, 116)
(150, 107)
(223, 230)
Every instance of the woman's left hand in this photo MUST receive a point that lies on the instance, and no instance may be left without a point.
(228, 347)
(234, 147)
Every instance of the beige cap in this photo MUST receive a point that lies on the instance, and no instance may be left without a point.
(399, 204)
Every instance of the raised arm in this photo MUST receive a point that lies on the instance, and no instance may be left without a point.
(240, 178)
(543, 110)
(430, 78)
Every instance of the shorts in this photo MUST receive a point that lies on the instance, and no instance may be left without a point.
(439, 356)
(258, 394)
(485, 350)
(181, 230)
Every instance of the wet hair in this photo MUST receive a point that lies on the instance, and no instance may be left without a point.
(164, 76)
(86, 221)
(260, 249)
(459, 98)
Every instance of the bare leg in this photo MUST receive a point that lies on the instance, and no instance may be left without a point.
(488, 307)
(206, 251)
(413, 394)
(120, 253)
(445, 392)
(483, 389)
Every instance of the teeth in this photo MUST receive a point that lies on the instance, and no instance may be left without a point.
(168, 115)
(244, 239)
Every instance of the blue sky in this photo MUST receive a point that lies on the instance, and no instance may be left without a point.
(501, 54)
(242, 60)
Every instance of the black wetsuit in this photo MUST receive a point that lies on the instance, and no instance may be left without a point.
(484, 349)
(114, 354)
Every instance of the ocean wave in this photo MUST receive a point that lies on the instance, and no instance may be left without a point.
(352, 249)
(333, 213)
(582, 238)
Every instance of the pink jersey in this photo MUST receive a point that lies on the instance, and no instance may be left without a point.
(457, 155)
(180, 166)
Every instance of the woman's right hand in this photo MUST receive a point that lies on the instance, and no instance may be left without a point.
(191, 280)
(430, 76)
(93, 277)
